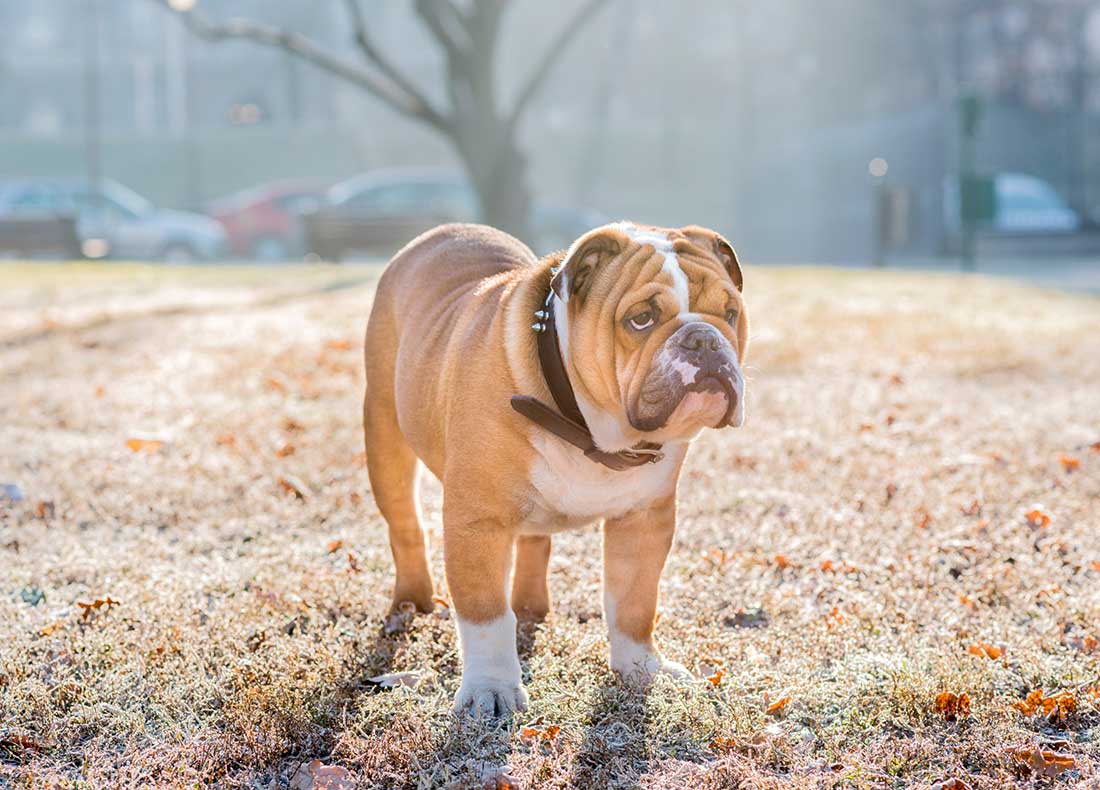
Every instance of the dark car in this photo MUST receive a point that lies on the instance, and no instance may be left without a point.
(264, 222)
(377, 213)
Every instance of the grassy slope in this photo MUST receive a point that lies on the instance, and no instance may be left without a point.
(900, 427)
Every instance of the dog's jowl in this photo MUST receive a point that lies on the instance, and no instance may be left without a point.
(546, 395)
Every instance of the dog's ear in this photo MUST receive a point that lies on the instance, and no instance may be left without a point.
(721, 249)
(577, 267)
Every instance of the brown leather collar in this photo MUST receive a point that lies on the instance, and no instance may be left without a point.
(568, 423)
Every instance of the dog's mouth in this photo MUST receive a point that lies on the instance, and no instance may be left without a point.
(711, 400)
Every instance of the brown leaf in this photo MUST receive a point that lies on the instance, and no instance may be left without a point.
(779, 707)
(21, 742)
(96, 604)
(782, 561)
(45, 510)
(951, 783)
(439, 599)
(292, 425)
(1040, 761)
(335, 546)
(985, 649)
(49, 629)
(537, 731)
(285, 449)
(1036, 519)
(315, 775)
(716, 678)
(142, 445)
(1056, 709)
(953, 706)
(292, 485)
(353, 563)
(1069, 463)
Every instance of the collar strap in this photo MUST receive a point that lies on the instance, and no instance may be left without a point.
(567, 423)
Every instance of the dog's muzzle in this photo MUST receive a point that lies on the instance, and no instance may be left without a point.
(697, 358)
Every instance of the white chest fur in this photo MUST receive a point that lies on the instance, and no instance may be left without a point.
(570, 490)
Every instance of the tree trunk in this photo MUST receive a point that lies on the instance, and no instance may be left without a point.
(498, 172)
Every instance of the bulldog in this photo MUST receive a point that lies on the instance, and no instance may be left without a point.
(546, 395)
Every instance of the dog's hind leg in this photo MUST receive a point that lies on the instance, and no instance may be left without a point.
(393, 469)
(530, 594)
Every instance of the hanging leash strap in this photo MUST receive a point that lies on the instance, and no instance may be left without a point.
(567, 423)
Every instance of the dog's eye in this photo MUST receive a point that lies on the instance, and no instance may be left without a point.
(642, 321)
(732, 315)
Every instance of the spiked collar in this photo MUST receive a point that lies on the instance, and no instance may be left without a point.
(568, 423)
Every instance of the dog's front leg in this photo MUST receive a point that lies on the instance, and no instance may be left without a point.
(634, 550)
(478, 557)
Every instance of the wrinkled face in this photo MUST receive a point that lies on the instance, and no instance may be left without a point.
(655, 329)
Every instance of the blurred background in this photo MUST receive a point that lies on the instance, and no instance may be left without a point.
(931, 133)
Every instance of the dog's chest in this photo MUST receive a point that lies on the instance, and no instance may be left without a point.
(570, 490)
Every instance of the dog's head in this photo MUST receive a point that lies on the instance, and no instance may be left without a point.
(653, 330)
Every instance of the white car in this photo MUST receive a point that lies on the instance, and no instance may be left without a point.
(114, 221)
(1024, 204)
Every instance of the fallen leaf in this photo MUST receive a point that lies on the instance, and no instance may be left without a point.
(974, 509)
(285, 449)
(392, 680)
(1095, 565)
(1069, 463)
(335, 546)
(1041, 762)
(21, 742)
(292, 425)
(227, 440)
(315, 775)
(143, 445)
(353, 563)
(292, 485)
(925, 519)
(986, 649)
(439, 599)
(779, 707)
(716, 678)
(782, 561)
(891, 492)
(45, 510)
(1054, 709)
(724, 745)
(1036, 519)
(537, 730)
(52, 627)
(1095, 447)
(952, 706)
(951, 783)
(96, 604)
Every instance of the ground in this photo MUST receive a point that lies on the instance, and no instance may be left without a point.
(910, 511)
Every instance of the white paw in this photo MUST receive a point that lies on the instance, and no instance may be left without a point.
(487, 697)
(642, 667)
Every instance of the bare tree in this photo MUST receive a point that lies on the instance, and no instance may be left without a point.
(484, 134)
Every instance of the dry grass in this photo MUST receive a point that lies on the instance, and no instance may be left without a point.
(845, 549)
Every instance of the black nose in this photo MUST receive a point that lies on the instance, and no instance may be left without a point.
(700, 339)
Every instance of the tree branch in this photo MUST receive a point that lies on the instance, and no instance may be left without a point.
(538, 76)
(309, 50)
(447, 24)
(384, 65)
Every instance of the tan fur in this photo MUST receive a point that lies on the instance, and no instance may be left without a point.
(448, 343)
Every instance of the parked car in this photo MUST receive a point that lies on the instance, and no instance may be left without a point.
(265, 222)
(378, 212)
(114, 221)
(1023, 204)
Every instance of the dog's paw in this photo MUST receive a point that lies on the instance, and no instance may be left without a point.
(642, 667)
(488, 697)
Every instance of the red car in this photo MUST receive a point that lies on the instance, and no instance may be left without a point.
(264, 222)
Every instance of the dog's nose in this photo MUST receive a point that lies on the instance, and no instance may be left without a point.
(700, 339)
